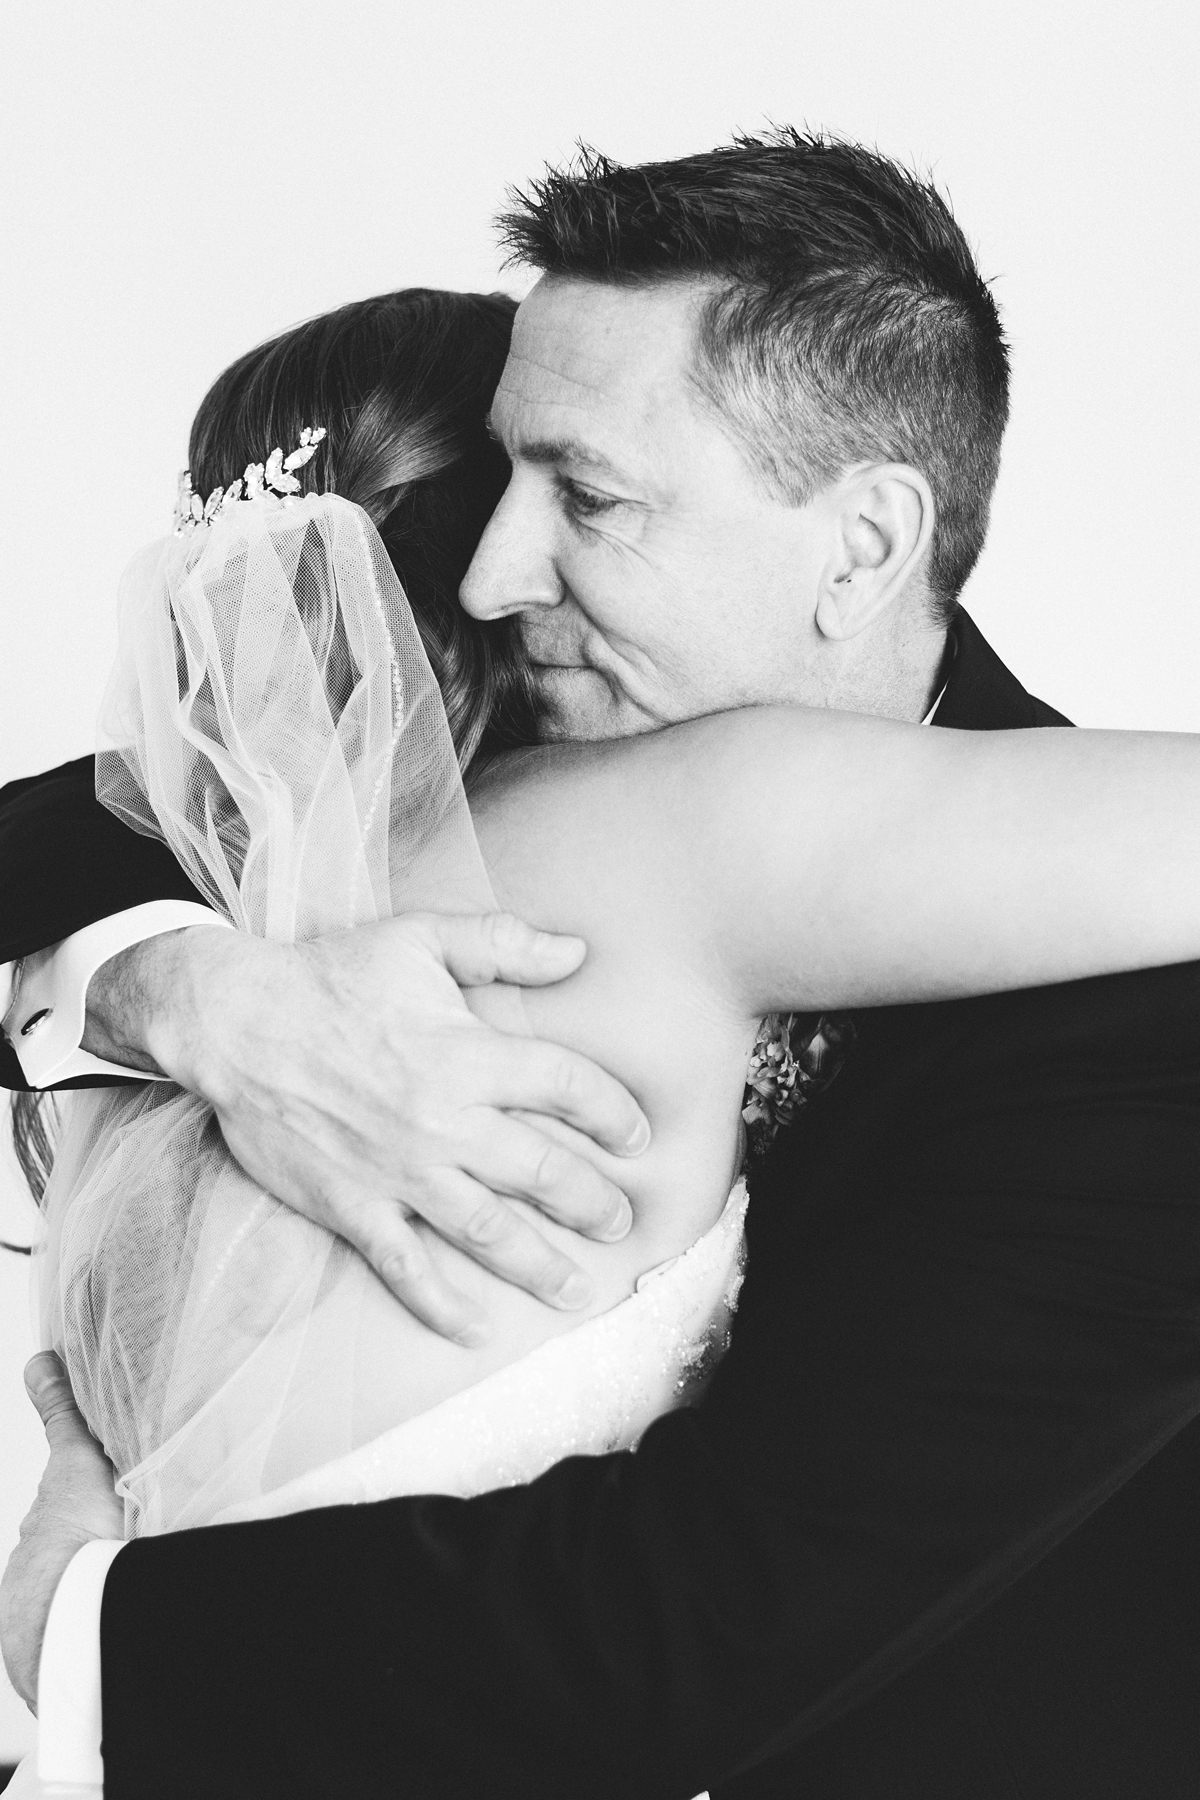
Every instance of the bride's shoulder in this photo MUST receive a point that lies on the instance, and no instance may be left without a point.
(617, 825)
(657, 781)
(699, 751)
(529, 806)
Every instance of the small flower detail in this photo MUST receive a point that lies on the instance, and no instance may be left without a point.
(794, 1058)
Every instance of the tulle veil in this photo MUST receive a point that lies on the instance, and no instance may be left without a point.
(274, 719)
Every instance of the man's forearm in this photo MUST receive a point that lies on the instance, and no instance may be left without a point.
(121, 1001)
(45, 1021)
(70, 870)
(183, 1004)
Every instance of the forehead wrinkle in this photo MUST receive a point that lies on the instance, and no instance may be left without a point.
(588, 381)
(511, 397)
(553, 449)
(561, 400)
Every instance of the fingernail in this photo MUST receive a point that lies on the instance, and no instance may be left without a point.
(550, 944)
(473, 1336)
(618, 1226)
(640, 1140)
(40, 1373)
(575, 1291)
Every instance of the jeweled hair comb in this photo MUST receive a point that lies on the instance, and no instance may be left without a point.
(275, 476)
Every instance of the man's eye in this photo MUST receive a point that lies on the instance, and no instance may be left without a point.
(585, 503)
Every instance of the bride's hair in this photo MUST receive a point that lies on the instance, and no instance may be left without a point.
(402, 384)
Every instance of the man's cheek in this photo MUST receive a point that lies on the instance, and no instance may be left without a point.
(615, 571)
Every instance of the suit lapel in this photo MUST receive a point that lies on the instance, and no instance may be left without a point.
(981, 694)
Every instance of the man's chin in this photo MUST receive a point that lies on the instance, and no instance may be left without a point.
(586, 725)
(579, 706)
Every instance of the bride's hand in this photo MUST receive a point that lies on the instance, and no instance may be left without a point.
(351, 1081)
(75, 1503)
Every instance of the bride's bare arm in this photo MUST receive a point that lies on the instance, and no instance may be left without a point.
(826, 859)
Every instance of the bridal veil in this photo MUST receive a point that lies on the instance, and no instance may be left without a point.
(274, 719)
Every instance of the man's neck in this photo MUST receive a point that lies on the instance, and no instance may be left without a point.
(897, 678)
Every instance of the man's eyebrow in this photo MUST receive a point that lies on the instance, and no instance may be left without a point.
(558, 450)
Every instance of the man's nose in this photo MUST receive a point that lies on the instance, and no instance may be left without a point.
(513, 570)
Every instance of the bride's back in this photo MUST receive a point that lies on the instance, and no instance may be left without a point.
(224, 1348)
(563, 838)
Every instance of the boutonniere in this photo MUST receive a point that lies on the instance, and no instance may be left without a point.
(795, 1057)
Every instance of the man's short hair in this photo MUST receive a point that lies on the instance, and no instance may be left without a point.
(848, 322)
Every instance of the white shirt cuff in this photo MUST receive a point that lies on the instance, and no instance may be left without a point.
(69, 1715)
(45, 995)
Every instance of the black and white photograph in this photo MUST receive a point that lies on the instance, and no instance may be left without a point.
(600, 902)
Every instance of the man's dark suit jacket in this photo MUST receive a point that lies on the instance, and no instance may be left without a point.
(934, 1533)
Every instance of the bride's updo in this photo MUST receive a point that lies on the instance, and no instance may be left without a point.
(402, 384)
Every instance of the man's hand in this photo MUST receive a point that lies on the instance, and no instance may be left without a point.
(75, 1502)
(351, 1081)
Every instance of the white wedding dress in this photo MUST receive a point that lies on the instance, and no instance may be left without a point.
(274, 719)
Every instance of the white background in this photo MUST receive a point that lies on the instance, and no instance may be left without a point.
(180, 180)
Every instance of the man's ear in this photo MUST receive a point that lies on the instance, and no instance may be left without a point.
(882, 518)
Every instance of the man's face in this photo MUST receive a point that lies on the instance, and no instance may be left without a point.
(653, 578)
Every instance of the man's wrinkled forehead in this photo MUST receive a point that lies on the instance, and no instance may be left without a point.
(596, 357)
